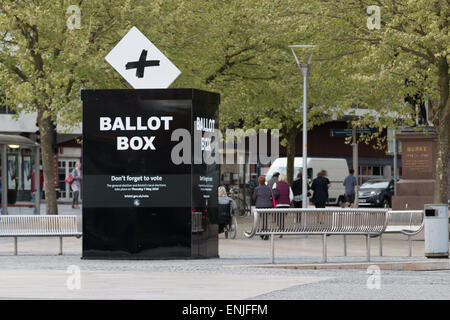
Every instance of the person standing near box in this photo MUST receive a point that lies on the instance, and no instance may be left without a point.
(76, 184)
(284, 199)
(297, 189)
(262, 196)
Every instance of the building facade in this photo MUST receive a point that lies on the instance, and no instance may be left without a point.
(372, 162)
(21, 160)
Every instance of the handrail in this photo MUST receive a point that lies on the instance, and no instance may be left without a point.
(255, 223)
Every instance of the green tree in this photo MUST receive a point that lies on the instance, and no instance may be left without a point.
(355, 64)
(240, 49)
(46, 58)
(228, 47)
(410, 42)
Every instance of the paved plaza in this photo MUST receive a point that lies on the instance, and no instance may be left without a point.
(242, 271)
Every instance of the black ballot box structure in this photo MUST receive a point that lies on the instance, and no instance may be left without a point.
(138, 202)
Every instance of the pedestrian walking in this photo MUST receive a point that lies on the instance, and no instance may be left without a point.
(76, 184)
(350, 183)
(262, 197)
(273, 180)
(320, 186)
(284, 198)
(297, 190)
(252, 184)
(286, 195)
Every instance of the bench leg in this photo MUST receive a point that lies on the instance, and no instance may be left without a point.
(272, 248)
(60, 246)
(324, 248)
(345, 245)
(381, 245)
(15, 246)
(410, 246)
(368, 247)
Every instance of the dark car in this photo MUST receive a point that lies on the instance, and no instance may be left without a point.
(376, 192)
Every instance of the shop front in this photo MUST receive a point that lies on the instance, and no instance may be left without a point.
(18, 157)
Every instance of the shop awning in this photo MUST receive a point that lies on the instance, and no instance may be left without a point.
(17, 140)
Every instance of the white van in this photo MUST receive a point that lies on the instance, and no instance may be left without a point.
(337, 169)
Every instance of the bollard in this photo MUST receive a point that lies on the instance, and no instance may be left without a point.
(272, 248)
(345, 245)
(381, 245)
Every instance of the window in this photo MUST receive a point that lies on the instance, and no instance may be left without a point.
(370, 172)
(65, 166)
(377, 171)
(5, 109)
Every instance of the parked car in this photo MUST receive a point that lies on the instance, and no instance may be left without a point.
(376, 192)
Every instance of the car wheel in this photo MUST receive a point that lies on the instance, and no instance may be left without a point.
(386, 203)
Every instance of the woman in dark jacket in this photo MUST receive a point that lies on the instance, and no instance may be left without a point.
(297, 190)
(262, 196)
(320, 187)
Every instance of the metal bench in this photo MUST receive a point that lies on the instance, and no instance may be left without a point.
(328, 221)
(39, 226)
(407, 222)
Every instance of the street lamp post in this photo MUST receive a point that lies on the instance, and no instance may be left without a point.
(304, 69)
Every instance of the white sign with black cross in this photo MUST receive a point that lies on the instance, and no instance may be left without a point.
(141, 63)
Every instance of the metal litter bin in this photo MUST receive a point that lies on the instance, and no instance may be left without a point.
(436, 230)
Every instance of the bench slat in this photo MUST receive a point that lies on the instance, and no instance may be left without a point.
(324, 221)
(408, 222)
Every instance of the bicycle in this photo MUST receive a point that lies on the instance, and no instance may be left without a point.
(243, 208)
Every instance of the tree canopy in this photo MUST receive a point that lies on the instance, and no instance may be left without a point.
(239, 48)
(405, 56)
(45, 60)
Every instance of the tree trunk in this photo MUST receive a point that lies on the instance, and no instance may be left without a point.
(443, 131)
(48, 163)
(292, 134)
